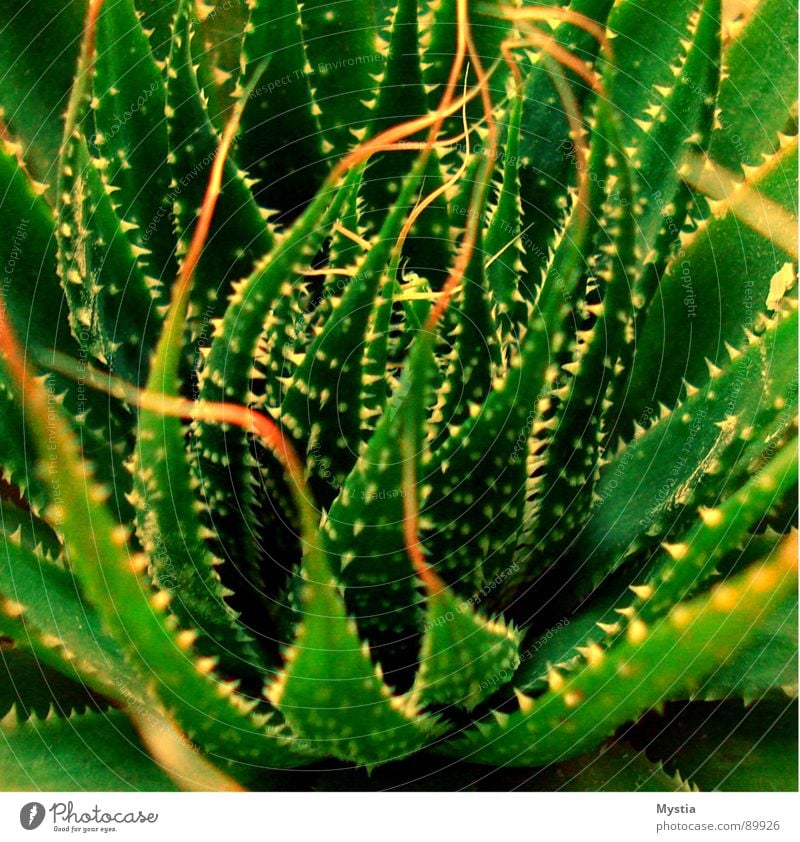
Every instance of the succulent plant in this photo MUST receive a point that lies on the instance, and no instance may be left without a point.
(396, 386)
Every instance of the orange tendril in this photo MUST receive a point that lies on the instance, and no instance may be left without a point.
(351, 235)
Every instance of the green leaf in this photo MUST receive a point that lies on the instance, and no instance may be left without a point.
(671, 118)
(757, 95)
(35, 305)
(569, 468)
(43, 608)
(472, 347)
(764, 667)
(614, 767)
(464, 657)
(503, 243)
(401, 97)
(280, 141)
(715, 289)
(318, 408)
(767, 665)
(343, 253)
(655, 663)
(330, 691)
(38, 52)
(89, 752)
(131, 134)
(33, 689)
(29, 531)
(679, 571)
(343, 51)
(691, 456)
(109, 570)
(363, 536)
(688, 563)
(239, 233)
(225, 464)
(108, 291)
(500, 434)
(34, 302)
(455, 640)
(221, 26)
(169, 520)
(666, 102)
(169, 523)
(546, 154)
(729, 748)
(156, 17)
(375, 385)
(172, 533)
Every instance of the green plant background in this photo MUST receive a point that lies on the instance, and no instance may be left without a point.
(599, 431)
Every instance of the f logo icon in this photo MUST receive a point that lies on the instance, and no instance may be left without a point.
(31, 815)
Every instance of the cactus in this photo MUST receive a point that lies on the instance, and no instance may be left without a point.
(405, 385)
